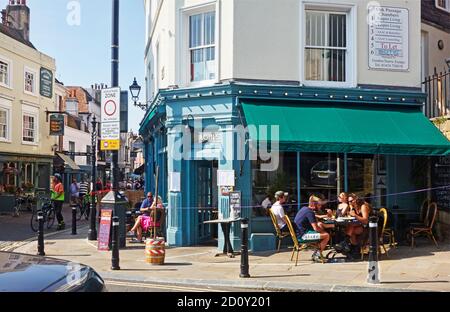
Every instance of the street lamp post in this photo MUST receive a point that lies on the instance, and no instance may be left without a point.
(135, 89)
(92, 235)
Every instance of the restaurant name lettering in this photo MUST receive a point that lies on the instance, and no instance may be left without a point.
(46, 84)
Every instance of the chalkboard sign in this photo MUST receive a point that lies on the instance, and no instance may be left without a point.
(104, 229)
(235, 204)
(441, 178)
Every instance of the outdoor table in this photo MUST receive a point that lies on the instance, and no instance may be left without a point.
(225, 224)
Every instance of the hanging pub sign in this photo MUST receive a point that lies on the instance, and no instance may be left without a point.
(57, 125)
(46, 83)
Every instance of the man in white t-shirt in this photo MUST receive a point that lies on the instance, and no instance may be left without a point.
(278, 211)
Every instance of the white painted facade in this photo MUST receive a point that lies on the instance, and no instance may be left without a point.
(81, 140)
(264, 40)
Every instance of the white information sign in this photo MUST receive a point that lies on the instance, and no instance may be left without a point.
(110, 112)
(110, 131)
(388, 38)
(225, 177)
(175, 182)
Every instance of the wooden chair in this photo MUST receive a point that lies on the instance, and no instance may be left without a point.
(424, 214)
(280, 235)
(389, 232)
(297, 247)
(426, 229)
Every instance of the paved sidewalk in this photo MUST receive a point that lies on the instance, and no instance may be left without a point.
(422, 269)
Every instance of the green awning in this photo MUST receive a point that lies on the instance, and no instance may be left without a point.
(348, 128)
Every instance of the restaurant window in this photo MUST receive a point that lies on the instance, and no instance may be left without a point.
(5, 73)
(202, 46)
(269, 182)
(361, 175)
(443, 5)
(4, 127)
(29, 128)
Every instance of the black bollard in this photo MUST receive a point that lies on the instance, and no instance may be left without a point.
(244, 249)
(40, 217)
(372, 277)
(115, 244)
(74, 219)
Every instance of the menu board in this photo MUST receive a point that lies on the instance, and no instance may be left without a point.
(440, 179)
(388, 38)
(104, 229)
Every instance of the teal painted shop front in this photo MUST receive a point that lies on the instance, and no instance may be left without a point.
(190, 134)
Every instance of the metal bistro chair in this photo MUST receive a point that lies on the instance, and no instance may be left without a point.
(279, 233)
(426, 229)
(304, 244)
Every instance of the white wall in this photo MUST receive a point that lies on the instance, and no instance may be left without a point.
(81, 139)
(260, 39)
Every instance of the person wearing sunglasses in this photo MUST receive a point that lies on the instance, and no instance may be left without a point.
(343, 207)
(142, 222)
(361, 211)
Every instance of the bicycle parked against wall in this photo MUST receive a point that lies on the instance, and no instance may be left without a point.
(48, 210)
(23, 203)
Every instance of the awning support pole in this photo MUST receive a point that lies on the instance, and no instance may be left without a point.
(298, 181)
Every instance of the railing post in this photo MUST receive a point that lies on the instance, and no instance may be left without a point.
(40, 217)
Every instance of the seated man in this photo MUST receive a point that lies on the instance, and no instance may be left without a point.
(307, 223)
(147, 219)
(278, 211)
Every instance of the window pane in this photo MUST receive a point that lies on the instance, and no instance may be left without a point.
(3, 124)
(209, 28)
(325, 64)
(4, 73)
(337, 31)
(197, 65)
(195, 30)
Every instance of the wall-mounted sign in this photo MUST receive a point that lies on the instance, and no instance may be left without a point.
(209, 137)
(235, 205)
(57, 125)
(388, 38)
(46, 82)
(225, 178)
(225, 190)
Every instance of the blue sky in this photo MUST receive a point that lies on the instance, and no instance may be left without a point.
(83, 52)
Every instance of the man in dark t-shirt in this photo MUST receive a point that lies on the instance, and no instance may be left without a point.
(308, 227)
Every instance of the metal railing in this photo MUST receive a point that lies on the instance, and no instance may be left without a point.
(437, 87)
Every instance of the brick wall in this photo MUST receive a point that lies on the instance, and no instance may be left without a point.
(434, 16)
(80, 94)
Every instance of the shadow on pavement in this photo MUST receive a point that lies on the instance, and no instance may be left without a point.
(412, 282)
(148, 270)
(285, 275)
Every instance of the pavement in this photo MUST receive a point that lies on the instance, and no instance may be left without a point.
(424, 268)
(16, 231)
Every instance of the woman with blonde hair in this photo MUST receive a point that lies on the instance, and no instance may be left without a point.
(343, 207)
(361, 211)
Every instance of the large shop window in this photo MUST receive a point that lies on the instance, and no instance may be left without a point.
(202, 46)
(325, 46)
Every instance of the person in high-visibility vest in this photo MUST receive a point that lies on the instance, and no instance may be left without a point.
(58, 200)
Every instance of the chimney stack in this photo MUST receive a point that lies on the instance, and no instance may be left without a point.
(18, 17)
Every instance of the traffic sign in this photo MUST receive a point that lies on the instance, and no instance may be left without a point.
(110, 145)
(111, 105)
(110, 131)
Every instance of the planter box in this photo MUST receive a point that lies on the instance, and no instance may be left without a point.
(7, 203)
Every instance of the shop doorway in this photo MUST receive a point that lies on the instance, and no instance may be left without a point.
(206, 192)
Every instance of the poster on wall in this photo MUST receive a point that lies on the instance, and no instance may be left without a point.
(388, 38)
(235, 205)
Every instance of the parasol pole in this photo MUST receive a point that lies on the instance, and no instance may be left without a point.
(156, 203)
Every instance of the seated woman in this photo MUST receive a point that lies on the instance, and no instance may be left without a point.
(147, 220)
(343, 208)
(361, 210)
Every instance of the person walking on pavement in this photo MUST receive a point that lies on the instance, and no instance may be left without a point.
(74, 192)
(58, 200)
